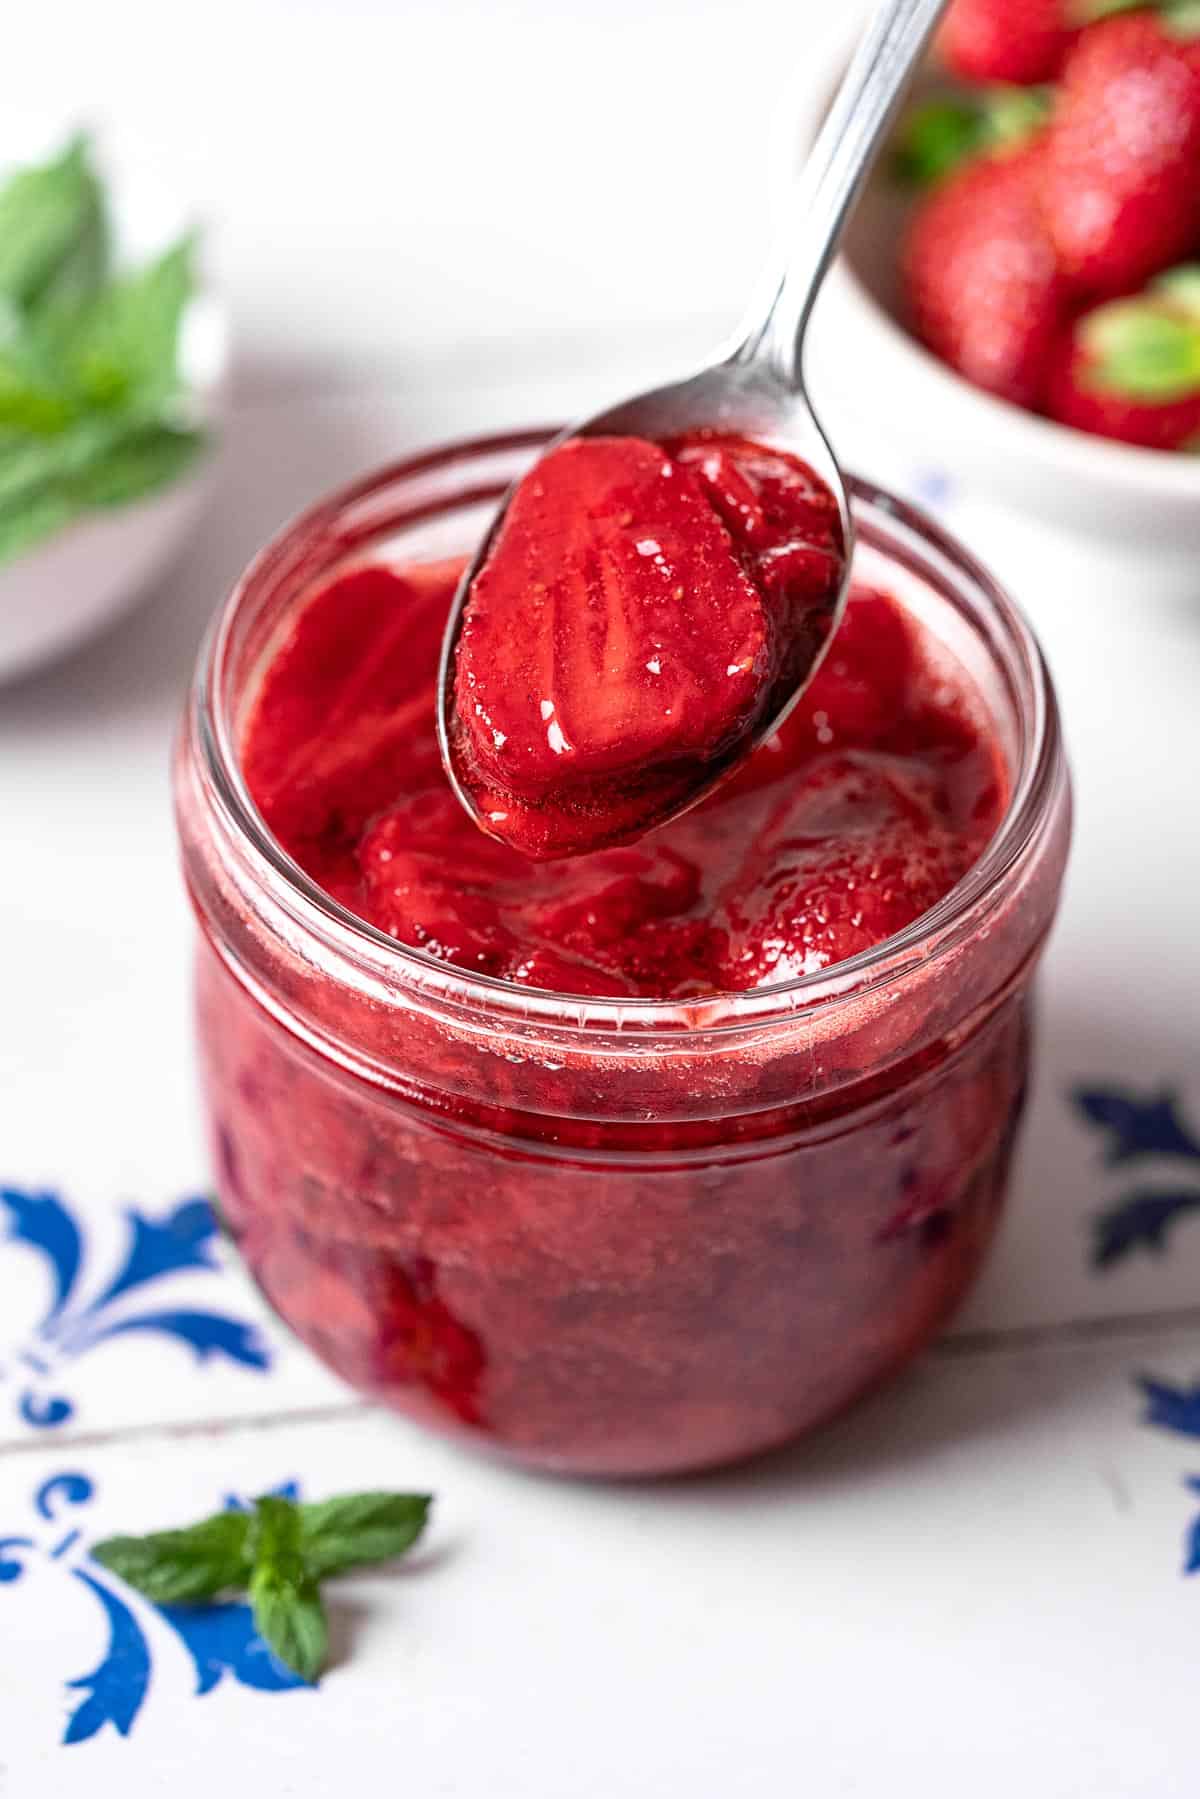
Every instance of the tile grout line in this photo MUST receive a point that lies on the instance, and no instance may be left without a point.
(1066, 1333)
(183, 1428)
(1071, 1333)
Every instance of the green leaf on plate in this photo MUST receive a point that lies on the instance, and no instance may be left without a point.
(45, 483)
(124, 347)
(48, 213)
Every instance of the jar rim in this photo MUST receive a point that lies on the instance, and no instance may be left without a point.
(935, 933)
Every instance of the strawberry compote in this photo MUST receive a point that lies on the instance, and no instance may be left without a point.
(647, 1160)
(873, 800)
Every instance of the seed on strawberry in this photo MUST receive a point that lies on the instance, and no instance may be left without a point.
(1130, 369)
(1022, 41)
(983, 284)
(1122, 177)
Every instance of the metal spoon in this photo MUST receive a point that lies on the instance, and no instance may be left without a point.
(756, 388)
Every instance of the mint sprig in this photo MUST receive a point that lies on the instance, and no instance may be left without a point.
(93, 411)
(277, 1555)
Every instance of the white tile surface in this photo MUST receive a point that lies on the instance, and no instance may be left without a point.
(972, 1585)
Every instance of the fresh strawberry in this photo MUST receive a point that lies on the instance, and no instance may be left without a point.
(983, 283)
(1131, 369)
(1022, 41)
(1121, 187)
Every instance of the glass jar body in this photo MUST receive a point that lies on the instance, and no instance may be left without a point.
(606, 1239)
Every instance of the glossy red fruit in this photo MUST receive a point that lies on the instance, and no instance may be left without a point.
(642, 610)
(1130, 369)
(983, 284)
(1121, 187)
(1021, 41)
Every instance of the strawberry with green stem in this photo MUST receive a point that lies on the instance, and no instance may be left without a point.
(1130, 369)
(1121, 184)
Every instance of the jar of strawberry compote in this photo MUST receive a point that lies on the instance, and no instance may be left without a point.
(599, 1232)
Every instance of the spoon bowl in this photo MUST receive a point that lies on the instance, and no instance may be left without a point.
(755, 388)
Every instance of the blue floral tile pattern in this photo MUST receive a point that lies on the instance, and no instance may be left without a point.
(220, 1639)
(183, 1239)
(1134, 1130)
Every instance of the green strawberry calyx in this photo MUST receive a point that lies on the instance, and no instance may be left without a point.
(944, 132)
(1148, 349)
(1180, 18)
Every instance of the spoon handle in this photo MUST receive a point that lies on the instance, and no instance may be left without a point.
(827, 186)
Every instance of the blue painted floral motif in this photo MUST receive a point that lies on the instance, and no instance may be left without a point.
(933, 488)
(1177, 1409)
(220, 1639)
(1136, 1129)
(1143, 1219)
(183, 1239)
(1171, 1408)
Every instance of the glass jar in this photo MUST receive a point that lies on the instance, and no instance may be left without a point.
(603, 1236)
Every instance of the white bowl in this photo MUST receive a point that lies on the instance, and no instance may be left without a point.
(1136, 512)
(68, 586)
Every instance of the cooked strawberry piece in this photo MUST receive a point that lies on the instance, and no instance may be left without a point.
(345, 707)
(982, 277)
(856, 850)
(643, 609)
(885, 763)
(1121, 185)
(612, 625)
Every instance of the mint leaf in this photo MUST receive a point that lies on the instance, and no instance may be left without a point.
(147, 458)
(30, 398)
(290, 1619)
(41, 516)
(46, 483)
(90, 388)
(124, 347)
(360, 1528)
(172, 1567)
(284, 1596)
(45, 212)
(30, 464)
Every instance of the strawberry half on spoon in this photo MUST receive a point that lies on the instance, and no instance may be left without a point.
(645, 610)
